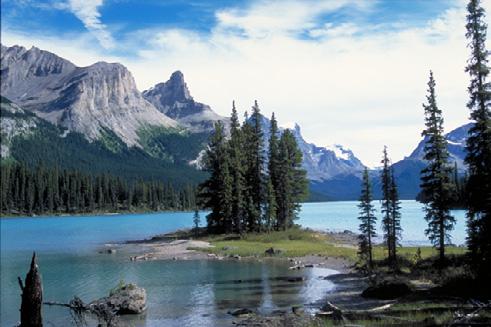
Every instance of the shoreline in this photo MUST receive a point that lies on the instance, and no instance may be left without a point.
(178, 246)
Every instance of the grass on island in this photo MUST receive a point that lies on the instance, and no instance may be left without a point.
(297, 242)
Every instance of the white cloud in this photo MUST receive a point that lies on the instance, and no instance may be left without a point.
(362, 90)
(88, 12)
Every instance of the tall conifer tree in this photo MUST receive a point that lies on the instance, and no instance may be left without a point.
(478, 156)
(395, 206)
(255, 169)
(367, 220)
(436, 183)
(217, 190)
(238, 171)
(391, 224)
(292, 181)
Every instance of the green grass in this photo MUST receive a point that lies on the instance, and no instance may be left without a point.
(379, 252)
(296, 242)
(292, 243)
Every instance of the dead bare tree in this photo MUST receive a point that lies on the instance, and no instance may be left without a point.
(32, 297)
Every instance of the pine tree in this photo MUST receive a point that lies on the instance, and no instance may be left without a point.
(217, 190)
(395, 207)
(436, 183)
(292, 181)
(367, 220)
(273, 174)
(478, 148)
(385, 178)
(238, 172)
(255, 179)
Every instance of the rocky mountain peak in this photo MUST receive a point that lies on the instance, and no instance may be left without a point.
(89, 100)
(174, 100)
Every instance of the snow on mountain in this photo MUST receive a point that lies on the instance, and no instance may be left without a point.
(321, 163)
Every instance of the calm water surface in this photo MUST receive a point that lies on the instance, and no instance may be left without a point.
(179, 293)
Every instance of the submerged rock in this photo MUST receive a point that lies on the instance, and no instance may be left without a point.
(125, 299)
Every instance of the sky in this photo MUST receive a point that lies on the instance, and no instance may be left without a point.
(350, 72)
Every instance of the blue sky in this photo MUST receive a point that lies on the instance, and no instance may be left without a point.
(348, 71)
(122, 17)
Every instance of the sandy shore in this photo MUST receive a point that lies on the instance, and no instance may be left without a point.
(173, 250)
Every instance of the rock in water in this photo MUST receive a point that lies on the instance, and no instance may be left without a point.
(127, 299)
(32, 297)
(240, 312)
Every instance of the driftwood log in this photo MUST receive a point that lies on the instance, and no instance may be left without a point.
(32, 297)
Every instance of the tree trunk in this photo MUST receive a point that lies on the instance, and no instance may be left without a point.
(442, 242)
(32, 297)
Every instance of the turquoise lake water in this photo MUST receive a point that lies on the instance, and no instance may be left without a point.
(179, 293)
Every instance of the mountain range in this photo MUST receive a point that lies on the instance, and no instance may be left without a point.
(47, 101)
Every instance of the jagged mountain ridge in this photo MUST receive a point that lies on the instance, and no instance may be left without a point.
(88, 100)
(321, 163)
(174, 100)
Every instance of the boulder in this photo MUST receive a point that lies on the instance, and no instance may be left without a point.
(387, 290)
(125, 299)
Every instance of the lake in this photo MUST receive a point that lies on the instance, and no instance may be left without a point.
(179, 292)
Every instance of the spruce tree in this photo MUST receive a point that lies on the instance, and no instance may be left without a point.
(478, 148)
(395, 207)
(273, 167)
(238, 172)
(385, 177)
(367, 220)
(391, 206)
(255, 179)
(292, 181)
(216, 192)
(436, 183)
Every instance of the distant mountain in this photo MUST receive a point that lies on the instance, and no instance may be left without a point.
(407, 171)
(346, 186)
(328, 168)
(174, 100)
(88, 100)
(456, 142)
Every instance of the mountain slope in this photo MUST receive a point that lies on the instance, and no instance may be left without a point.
(408, 170)
(87, 100)
(29, 139)
(174, 100)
